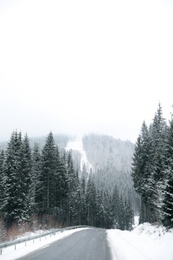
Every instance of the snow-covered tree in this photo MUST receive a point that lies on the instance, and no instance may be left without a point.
(48, 173)
(167, 208)
(17, 180)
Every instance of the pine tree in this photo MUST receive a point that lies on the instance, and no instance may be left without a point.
(36, 183)
(167, 208)
(158, 154)
(15, 196)
(115, 207)
(91, 203)
(168, 204)
(73, 201)
(83, 202)
(141, 172)
(129, 216)
(26, 174)
(48, 173)
(2, 182)
(61, 189)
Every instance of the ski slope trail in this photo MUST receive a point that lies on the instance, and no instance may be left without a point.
(78, 146)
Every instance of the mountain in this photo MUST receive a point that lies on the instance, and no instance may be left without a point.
(103, 150)
(107, 161)
(103, 158)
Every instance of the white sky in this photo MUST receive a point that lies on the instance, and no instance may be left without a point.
(84, 66)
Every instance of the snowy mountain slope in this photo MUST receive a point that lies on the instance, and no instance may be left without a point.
(78, 146)
(145, 242)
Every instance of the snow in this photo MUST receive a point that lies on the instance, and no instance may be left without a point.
(10, 253)
(145, 242)
(78, 146)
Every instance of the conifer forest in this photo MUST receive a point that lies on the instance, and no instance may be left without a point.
(152, 170)
(42, 185)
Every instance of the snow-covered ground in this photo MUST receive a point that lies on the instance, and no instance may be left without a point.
(145, 242)
(78, 146)
(10, 253)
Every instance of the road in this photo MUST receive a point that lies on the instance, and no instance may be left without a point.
(89, 244)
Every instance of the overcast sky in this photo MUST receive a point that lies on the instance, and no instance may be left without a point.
(84, 66)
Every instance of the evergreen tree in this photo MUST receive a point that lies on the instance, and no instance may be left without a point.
(48, 175)
(73, 201)
(15, 207)
(167, 207)
(129, 216)
(61, 189)
(158, 154)
(26, 173)
(91, 203)
(36, 183)
(115, 204)
(2, 182)
(83, 202)
(168, 204)
(141, 172)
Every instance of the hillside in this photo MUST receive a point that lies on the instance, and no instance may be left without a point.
(103, 150)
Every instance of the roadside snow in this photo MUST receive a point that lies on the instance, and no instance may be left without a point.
(10, 253)
(145, 242)
(78, 146)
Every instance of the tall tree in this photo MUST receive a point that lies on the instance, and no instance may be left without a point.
(2, 181)
(48, 174)
(26, 175)
(167, 217)
(61, 189)
(158, 154)
(15, 209)
(141, 172)
(36, 183)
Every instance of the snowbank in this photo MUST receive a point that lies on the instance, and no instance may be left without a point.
(145, 242)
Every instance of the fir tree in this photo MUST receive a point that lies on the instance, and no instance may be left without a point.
(158, 155)
(167, 208)
(26, 166)
(36, 183)
(168, 204)
(2, 182)
(48, 173)
(15, 196)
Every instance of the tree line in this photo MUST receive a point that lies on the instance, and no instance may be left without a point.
(152, 170)
(43, 185)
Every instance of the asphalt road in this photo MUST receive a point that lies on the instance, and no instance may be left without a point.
(89, 244)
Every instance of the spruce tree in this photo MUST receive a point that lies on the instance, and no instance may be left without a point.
(15, 196)
(48, 173)
(141, 172)
(168, 204)
(2, 182)
(61, 189)
(158, 154)
(36, 183)
(167, 207)
(26, 174)
(83, 202)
